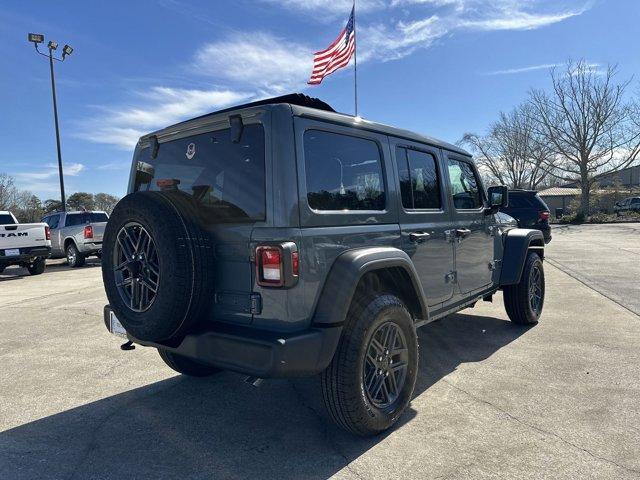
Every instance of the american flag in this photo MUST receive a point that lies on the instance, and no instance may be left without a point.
(337, 55)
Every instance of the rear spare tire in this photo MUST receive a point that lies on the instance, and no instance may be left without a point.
(157, 265)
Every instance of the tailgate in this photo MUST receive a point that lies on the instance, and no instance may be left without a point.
(98, 231)
(23, 236)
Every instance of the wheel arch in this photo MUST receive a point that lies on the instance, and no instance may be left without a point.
(68, 241)
(517, 245)
(384, 269)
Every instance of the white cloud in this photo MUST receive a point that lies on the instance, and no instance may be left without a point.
(258, 60)
(531, 68)
(157, 108)
(46, 178)
(330, 7)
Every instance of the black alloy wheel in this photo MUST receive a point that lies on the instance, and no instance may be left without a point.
(136, 267)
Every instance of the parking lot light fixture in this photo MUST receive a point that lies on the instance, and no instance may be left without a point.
(37, 38)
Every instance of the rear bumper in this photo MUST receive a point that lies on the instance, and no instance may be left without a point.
(259, 353)
(27, 255)
(88, 248)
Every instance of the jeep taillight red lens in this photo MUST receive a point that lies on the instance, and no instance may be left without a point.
(295, 263)
(269, 266)
(47, 233)
(88, 231)
(543, 215)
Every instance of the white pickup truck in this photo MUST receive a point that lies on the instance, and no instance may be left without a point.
(24, 244)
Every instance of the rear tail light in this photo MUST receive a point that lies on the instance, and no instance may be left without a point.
(543, 215)
(47, 233)
(277, 265)
(88, 231)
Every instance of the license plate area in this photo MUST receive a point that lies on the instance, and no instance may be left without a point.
(115, 326)
(12, 252)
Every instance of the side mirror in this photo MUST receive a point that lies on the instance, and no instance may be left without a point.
(498, 197)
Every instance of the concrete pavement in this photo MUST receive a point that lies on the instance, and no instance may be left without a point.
(493, 400)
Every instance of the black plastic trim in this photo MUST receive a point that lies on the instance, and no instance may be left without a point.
(348, 268)
(516, 246)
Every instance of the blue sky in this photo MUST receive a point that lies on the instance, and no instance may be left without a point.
(439, 67)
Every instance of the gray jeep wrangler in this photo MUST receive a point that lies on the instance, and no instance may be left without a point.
(282, 239)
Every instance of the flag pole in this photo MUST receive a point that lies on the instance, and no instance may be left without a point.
(355, 60)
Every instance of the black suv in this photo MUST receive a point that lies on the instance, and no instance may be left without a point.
(529, 210)
(281, 238)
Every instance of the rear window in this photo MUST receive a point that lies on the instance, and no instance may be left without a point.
(343, 172)
(98, 217)
(6, 219)
(226, 178)
(517, 200)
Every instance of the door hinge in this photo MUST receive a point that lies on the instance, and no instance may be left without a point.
(451, 277)
(493, 264)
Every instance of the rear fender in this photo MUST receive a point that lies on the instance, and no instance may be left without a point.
(518, 243)
(346, 272)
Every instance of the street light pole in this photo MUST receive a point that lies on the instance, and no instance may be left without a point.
(63, 197)
(37, 38)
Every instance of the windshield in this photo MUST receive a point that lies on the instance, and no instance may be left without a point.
(226, 178)
(6, 219)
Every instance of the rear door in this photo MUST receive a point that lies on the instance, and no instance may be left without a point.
(226, 176)
(472, 230)
(425, 217)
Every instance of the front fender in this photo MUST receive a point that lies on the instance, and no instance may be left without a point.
(347, 270)
(517, 244)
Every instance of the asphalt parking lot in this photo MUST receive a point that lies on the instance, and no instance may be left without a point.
(559, 400)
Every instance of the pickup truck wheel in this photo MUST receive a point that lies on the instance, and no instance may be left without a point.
(37, 267)
(187, 366)
(371, 378)
(75, 259)
(525, 300)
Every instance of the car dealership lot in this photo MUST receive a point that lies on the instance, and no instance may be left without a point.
(559, 400)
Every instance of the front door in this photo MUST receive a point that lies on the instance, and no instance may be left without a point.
(424, 218)
(472, 228)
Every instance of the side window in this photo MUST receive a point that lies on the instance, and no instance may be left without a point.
(465, 186)
(419, 183)
(518, 201)
(73, 219)
(343, 172)
(53, 221)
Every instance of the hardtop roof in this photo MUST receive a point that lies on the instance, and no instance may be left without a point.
(304, 106)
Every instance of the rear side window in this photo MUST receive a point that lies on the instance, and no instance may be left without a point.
(226, 178)
(343, 172)
(53, 221)
(6, 219)
(519, 201)
(465, 186)
(419, 183)
(74, 219)
(635, 201)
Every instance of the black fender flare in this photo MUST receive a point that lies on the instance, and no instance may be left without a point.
(347, 270)
(517, 244)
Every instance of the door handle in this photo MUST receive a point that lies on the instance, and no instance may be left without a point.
(419, 236)
(463, 232)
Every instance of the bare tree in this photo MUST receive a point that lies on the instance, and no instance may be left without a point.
(587, 123)
(512, 152)
(105, 202)
(8, 192)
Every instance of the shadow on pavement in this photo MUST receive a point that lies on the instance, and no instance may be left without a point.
(15, 273)
(222, 427)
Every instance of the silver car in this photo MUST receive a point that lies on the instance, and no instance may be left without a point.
(76, 235)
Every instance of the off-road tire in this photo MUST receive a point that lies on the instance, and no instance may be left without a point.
(185, 263)
(187, 366)
(516, 297)
(37, 267)
(75, 259)
(343, 388)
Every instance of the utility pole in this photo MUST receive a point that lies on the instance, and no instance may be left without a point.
(36, 38)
